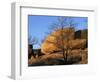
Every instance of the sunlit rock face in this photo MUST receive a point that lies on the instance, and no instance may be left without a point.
(50, 43)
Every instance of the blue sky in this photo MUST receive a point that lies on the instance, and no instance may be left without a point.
(38, 25)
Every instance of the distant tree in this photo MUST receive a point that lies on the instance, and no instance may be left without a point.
(62, 41)
(31, 42)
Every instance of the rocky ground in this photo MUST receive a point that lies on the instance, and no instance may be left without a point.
(57, 59)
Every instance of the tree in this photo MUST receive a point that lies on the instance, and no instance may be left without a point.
(65, 27)
(31, 42)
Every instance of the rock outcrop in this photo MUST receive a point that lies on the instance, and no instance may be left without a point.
(79, 42)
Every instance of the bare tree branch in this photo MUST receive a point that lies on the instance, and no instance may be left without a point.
(32, 40)
(61, 41)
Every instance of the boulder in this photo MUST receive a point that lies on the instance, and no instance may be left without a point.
(53, 42)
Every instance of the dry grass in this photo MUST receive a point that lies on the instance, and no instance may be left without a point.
(74, 53)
